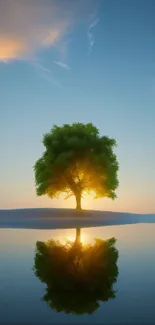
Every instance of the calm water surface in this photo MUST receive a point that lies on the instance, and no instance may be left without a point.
(21, 291)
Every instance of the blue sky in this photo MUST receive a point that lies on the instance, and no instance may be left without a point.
(64, 62)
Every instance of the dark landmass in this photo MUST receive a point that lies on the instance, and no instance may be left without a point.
(50, 218)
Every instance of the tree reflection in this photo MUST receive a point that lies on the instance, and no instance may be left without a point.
(78, 277)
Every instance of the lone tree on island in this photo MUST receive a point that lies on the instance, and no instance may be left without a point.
(77, 160)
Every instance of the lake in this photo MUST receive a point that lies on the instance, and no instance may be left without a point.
(21, 292)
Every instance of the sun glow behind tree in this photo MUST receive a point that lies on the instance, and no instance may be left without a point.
(77, 161)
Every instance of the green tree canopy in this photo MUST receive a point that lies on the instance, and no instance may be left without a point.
(78, 277)
(77, 160)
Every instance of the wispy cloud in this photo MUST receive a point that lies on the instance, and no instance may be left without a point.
(61, 64)
(90, 34)
(45, 73)
(39, 66)
(26, 26)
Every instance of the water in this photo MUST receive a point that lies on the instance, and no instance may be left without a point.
(21, 291)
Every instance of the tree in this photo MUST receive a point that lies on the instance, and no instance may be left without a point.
(76, 282)
(77, 160)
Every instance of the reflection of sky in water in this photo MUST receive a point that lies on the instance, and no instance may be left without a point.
(20, 290)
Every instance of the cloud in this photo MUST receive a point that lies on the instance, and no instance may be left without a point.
(45, 73)
(90, 35)
(27, 26)
(61, 64)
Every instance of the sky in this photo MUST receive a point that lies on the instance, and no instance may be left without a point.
(64, 61)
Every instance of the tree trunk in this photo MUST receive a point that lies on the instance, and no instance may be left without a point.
(78, 201)
(78, 235)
